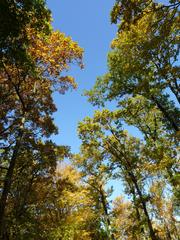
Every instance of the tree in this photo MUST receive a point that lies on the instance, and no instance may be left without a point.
(17, 16)
(90, 162)
(32, 183)
(72, 207)
(144, 58)
(143, 81)
(122, 152)
(125, 220)
(162, 204)
(26, 97)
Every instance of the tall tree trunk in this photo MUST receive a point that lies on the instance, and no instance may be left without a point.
(151, 230)
(128, 168)
(7, 186)
(103, 199)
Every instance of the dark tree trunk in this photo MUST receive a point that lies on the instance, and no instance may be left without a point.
(103, 199)
(151, 230)
(7, 186)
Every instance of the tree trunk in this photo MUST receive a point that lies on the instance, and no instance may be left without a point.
(151, 231)
(7, 186)
(103, 199)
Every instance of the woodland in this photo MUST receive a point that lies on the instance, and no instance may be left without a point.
(41, 199)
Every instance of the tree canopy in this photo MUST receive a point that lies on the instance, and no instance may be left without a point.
(48, 192)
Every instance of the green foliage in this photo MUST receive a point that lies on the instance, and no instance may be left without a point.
(16, 17)
(143, 80)
(144, 58)
(44, 198)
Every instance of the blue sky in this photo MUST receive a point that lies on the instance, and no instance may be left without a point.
(88, 23)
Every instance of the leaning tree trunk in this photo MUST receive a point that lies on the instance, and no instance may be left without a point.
(151, 230)
(7, 186)
(103, 199)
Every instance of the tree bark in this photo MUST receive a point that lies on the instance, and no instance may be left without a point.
(7, 186)
(103, 199)
(151, 230)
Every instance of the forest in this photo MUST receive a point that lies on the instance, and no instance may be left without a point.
(47, 192)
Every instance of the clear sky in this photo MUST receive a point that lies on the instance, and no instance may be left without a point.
(88, 23)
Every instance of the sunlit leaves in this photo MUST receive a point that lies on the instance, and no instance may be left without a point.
(144, 58)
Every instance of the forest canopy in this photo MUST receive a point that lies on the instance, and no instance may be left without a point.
(48, 192)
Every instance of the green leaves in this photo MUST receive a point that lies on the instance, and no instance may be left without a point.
(143, 60)
(143, 82)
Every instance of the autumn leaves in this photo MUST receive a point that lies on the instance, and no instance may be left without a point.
(43, 198)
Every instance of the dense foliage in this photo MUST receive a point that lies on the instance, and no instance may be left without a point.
(143, 80)
(32, 59)
(44, 197)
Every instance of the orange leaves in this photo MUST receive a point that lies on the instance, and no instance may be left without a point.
(29, 89)
(53, 55)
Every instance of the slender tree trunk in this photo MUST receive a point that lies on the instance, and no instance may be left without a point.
(7, 186)
(151, 230)
(134, 200)
(103, 199)
(127, 166)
